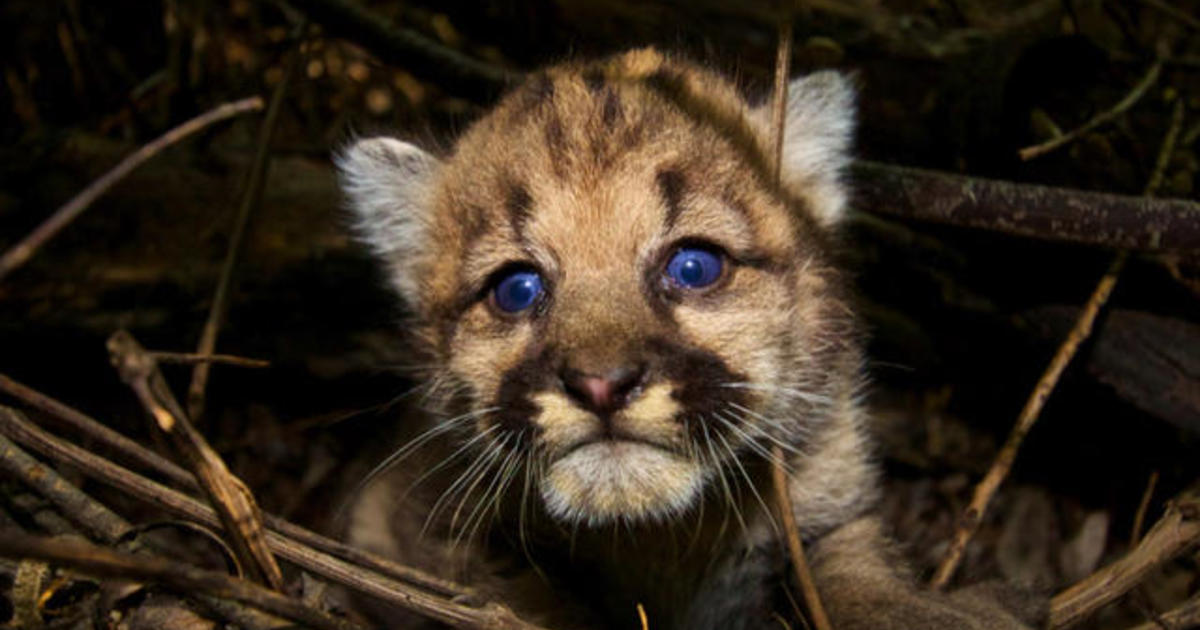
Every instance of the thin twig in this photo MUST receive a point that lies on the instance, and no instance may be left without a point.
(1175, 533)
(251, 199)
(22, 251)
(101, 562)
(235, 503)
(1174, 12)
(190, 358)
(1181, 617)
(783, 63)
(804, 580)
(431, 603)
(1139, 517)
(1166, 150)
(808, 588)
(1134, 95)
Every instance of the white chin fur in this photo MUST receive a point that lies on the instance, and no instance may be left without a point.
(608, 481)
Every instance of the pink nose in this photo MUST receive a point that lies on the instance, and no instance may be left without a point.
(603, 394)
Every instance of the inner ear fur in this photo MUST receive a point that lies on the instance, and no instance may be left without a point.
(818, 134)
(388, 185)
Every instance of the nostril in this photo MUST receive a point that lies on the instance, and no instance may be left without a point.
(624, 380)
(603, 393)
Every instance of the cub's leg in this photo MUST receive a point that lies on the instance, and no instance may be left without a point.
(856, 574)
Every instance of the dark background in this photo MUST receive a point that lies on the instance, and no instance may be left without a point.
(961, 322)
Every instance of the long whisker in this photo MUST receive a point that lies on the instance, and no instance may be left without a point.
(752, 443)
(791, 448)
(396, 457)
(809, 397)
(463, 477)
(495, 451)
(750, 483)
(720, 466)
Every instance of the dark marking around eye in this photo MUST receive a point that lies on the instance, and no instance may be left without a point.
(518, 204)
(670, 186)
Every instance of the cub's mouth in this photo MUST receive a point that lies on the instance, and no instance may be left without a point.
(618, 444)
(605, 480)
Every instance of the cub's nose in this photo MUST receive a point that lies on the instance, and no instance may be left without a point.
(603, 393)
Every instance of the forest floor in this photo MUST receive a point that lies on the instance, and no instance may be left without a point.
(963, 318)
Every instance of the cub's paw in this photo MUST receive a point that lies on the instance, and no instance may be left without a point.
(917, 610)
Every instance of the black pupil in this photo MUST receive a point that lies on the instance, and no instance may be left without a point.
(692, 271)
(520, 292)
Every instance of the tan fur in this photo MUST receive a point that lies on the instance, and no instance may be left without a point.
(594, 175)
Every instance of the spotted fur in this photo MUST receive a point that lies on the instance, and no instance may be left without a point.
(593, 175)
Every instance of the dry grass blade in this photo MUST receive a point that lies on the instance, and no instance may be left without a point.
(24, 250)
(1175, 533)
(804, 580)
(231, 498)
(808, 588)
(101, 562)
(970, 519)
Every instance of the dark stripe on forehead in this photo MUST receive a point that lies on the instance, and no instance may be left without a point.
(556, 145)
(594, 79)
(518, 204)
(611, 110)
(670, 185)
(731, 125)
(535, 94)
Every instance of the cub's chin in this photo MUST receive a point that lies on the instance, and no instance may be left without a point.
(620, 480)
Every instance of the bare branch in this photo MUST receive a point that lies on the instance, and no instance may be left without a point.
(1061, 214)
(101, 562)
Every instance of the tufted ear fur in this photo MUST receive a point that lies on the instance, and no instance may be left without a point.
(388, 185)
(817, 140)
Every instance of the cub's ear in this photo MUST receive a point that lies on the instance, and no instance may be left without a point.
(388, 184)
(817, 141)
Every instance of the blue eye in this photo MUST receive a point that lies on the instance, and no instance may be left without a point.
(518, 291)
(694, 268)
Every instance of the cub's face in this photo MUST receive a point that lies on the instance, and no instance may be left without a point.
(620, 304)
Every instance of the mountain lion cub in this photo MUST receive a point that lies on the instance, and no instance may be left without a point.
(623, 316)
